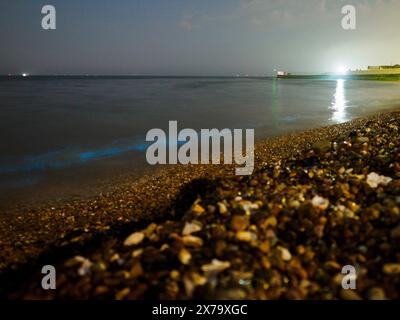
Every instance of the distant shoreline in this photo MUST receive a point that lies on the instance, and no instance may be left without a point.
(331, 77)
(369, 77)
(93, 76)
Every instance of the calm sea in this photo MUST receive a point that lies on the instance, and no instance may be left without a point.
(60, 134)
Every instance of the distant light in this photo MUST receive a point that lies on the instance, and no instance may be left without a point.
(342, 70)
(25, 74)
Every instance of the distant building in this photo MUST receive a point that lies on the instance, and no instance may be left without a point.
(375, 68)
(382, 72)
(396, 66)
(378, 70)
(282, 73)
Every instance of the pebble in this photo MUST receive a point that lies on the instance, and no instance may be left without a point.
(192, 241)
(86, 264)
(193, 280)
(115, 257)
(362, 139)
(190, 228)
(197, 209)
(391, 268)
(374, 180)
(284, 253)
(136, 253)
(376, 293)
(270, 222)
(248, 205)
(240, 223)
(174, 274)
(322, 146)
(122, 294)
(134, 239)
(320, 203)
(136, 270)
(246, 236)
(349, 295)
(222, 208)
(216, 266)
(332, 265)
(184, 256)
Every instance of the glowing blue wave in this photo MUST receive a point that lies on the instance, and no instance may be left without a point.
(67, 157)
(70, 156)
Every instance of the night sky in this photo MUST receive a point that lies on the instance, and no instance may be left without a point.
(196, 37)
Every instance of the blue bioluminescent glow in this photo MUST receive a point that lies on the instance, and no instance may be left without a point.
(71, 156)
(67, 157)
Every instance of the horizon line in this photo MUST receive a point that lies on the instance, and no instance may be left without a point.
(26, 75)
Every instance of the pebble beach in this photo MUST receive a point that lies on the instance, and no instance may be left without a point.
(318, 200)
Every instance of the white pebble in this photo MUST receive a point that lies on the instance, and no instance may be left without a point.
(190, 228)
(374, 180)
(320, 203)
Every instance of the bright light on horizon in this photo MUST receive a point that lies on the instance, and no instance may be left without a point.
(342, 69)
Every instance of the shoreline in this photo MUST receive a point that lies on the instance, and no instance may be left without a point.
(81, 226)
(355, 77)
(78, 185)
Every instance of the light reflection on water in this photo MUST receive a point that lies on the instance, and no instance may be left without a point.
(339, 103)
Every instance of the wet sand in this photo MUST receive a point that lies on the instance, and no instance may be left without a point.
(200, 232)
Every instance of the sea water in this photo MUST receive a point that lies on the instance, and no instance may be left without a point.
(69, 131)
